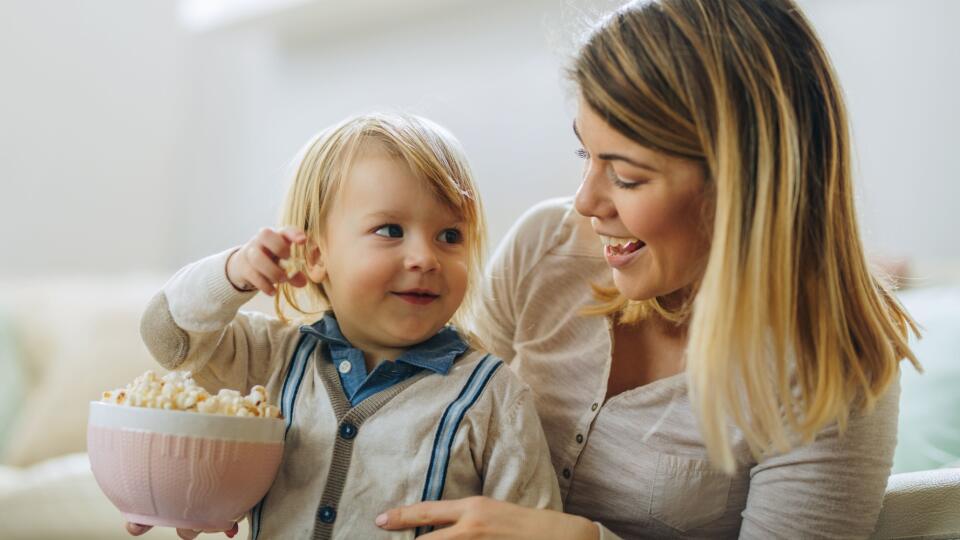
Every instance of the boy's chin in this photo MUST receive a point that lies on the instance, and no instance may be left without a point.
(407, 335)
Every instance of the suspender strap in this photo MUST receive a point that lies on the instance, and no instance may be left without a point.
(288, 398)
(447, 430)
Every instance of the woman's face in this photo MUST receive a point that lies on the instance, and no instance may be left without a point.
(646, 206)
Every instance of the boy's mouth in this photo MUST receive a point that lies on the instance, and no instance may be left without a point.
(418, 297)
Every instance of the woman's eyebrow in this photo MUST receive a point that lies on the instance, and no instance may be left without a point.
(616, 157)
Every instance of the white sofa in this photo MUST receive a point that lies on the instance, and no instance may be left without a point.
(62, 342)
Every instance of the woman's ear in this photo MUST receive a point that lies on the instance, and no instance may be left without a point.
(316, 269)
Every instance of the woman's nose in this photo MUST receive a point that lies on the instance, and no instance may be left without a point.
(592, 199)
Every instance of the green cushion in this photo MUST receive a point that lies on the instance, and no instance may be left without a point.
(929, 429)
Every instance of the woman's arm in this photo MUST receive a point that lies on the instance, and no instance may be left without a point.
(831, 488)
(482, 518)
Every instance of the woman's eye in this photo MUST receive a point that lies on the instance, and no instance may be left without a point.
(390, 231)
(581, 153)
(451, 236)
(622, 183)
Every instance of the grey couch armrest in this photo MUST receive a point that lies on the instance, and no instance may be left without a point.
(921, 505)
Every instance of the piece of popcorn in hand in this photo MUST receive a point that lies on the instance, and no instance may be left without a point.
(290, 266)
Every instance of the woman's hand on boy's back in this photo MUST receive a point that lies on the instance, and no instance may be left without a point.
(256, 265)
(136, 529)
(484, 518)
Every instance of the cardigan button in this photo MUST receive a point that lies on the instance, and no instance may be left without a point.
(348, 430)
(328, 514)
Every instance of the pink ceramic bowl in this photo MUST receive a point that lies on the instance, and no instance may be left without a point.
(182, 469)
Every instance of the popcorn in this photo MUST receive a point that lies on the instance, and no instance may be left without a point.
(290, 266)
(178, 391)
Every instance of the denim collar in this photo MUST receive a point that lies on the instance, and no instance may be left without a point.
(436, 354)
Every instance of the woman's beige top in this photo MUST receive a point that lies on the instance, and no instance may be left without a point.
(637, 463)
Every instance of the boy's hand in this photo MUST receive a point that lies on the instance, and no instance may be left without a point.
(256, 265)
(136, 529)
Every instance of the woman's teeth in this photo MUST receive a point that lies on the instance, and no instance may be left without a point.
(619, 246)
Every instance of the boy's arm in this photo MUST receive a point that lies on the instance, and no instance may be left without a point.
(517, 465)
(193, 324)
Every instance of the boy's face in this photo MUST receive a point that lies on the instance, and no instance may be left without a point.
(395, 257)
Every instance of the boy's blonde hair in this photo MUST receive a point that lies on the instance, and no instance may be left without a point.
(787, 299)
(433, 154)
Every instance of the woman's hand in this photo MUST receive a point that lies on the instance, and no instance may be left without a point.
(480, 518)
(187, 534)
(256, 265)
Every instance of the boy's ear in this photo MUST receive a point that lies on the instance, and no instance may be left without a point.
(316, 269)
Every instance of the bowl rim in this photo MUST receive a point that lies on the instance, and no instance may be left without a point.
(186, 423)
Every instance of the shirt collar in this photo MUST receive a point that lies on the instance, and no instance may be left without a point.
(436, 354)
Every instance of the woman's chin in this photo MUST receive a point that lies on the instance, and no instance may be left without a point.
(632, 288)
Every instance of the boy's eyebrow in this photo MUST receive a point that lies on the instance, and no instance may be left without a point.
(616, 157)
(385, 214)
(399, 216)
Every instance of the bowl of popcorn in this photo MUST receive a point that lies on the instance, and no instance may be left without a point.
(168, 453)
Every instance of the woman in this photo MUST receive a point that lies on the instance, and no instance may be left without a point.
(741, 375)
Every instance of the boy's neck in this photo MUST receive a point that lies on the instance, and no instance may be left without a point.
(373, 358)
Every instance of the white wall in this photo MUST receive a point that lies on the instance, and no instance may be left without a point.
(131, 144)
(899, 63)
(91, 99)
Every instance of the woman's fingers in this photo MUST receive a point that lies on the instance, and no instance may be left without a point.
(420, 514)
(137, 529)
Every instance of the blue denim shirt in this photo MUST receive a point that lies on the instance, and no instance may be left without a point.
(436, 354)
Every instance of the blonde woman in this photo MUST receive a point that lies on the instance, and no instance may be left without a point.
(739, 376)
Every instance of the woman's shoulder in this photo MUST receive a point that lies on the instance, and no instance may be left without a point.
(553, 226)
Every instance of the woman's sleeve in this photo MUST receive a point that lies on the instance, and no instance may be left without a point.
(502, 292)
(831, 488)
(516, 462)
(193, 324)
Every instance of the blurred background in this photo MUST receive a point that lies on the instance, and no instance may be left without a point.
(138, 136)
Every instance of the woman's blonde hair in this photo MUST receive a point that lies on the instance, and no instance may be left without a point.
(432, 154)
(787, 301)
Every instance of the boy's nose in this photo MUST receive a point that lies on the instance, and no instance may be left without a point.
(421, 256)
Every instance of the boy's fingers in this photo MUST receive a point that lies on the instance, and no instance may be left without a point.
(274, 243)
(137, 529)
(293, 235)
(298, 280)
(264, 265)
(262, 284)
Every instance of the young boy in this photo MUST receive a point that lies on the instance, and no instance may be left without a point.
(386, 403)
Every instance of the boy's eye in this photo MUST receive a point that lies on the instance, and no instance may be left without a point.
(390, 231)
(451, 236)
